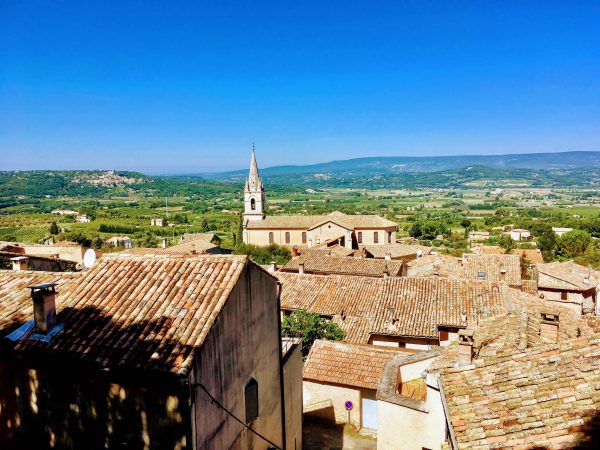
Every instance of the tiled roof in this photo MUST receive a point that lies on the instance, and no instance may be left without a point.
(357, 365)
(323, 264)
(505, 268)
(186, 248)
(520, 391)
(566, 276)
(16, 305)
(444, 266)
(146, 313)
(396, 306)
(532, 255)
(350, 221)
(394, 250)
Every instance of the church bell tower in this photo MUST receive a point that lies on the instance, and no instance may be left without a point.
(254, 193)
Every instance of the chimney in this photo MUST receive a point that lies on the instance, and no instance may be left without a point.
(388, 256)
(463, 318)
(164, 242)
(386, 272)
(301, 268)
(549, 327)
(295, 252)
(272, 267)
(44, 307)
(465, 346)
(20, 263)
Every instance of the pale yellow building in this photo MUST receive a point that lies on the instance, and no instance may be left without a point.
(347, 230)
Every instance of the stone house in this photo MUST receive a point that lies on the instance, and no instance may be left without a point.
(145, 352)
(119, 241)
(570, 284)
(341, 380)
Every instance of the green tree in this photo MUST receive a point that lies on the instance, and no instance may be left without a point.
(546, 239)
(98, 242)
(591, 256)
(506, 242)
(54, 230)
(573, 243)
(309, 327)
(80, 238)
(204, 226)
(148, 240)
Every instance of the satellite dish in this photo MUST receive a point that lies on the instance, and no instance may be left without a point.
(89, 258)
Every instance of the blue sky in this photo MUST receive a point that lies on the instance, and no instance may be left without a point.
(182, 87)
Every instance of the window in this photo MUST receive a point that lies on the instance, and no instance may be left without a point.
(252, 204)
(304, 237)
(389, 237)
(287, 237)
(564, 296)
(359, 237)
(376, 237)
(251, 400)
(271, 237)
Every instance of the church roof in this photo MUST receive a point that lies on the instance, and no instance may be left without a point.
(350, 221)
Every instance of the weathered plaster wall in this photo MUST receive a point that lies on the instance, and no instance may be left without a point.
(321, 393)
(244, 342)
(404, 428)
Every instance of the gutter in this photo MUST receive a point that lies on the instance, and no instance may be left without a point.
(453, 441)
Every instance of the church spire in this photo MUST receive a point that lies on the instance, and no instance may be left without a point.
(253, 182)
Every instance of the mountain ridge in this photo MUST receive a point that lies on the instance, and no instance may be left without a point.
(399, 164)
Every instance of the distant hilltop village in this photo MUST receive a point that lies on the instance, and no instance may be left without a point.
(349, 231)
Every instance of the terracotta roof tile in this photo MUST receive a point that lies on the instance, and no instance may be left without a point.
(396, 306)
(521, 391)
(347, 364)
(324, 264)
(494, 267)
(149, 313)
(566, 276)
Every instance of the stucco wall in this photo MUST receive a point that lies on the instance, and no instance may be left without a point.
(320, 393)
(292, 382)
(368, 236)
(329, 230)
(244, 342)
(261, 237)
(400, 341)
(408, 429)
(68, 253)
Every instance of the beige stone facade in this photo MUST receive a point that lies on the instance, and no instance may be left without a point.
(346, 230)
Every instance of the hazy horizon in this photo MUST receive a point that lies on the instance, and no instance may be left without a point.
(187, 88)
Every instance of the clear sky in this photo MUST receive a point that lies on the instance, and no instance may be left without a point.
(182, 87)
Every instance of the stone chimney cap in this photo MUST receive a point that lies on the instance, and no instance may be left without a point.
(19, 258)
(40, 287)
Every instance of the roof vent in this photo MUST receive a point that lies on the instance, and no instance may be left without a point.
(301, 268)
(44, 307)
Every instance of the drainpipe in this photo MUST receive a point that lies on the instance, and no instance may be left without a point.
(282, 387)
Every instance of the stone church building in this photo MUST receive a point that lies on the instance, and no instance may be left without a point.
(349, 231)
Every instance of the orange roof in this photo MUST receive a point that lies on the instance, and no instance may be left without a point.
(148, 313)
(343, 265)
(533, 255)
(358, 365)
(505, 268)
(396, 306)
